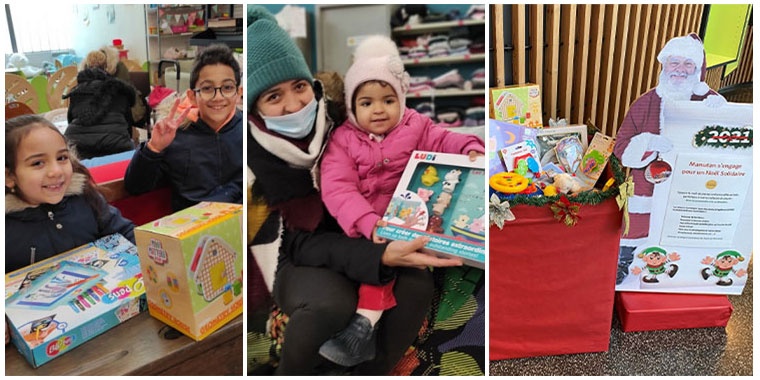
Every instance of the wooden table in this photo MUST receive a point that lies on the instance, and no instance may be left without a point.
(138, 347)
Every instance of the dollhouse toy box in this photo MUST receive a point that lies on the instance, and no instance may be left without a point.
(192, 265)
(441, 196)
(57, 304)
(519, 104)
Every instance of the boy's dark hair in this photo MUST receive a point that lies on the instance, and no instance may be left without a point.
(212, 55)
(19, 127)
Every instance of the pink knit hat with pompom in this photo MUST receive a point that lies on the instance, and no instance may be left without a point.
(376, 58)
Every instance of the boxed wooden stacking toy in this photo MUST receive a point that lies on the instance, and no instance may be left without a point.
(519, 104)
(57, 304)
(192, 262)
(441, 196)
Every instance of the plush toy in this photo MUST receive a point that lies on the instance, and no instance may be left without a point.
(567, 184)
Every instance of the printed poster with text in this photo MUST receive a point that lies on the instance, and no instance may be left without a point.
(702, 209)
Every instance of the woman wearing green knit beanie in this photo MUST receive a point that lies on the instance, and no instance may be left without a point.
(318, 267)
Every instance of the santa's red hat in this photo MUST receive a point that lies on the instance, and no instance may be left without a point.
(691, 47)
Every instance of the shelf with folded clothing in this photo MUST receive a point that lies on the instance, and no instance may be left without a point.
(449, 59)
(447, 92)
(444, 53)
(435, 26)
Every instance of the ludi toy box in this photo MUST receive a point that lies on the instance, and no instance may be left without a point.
(57, 304)
(441, 196)
(192, 262)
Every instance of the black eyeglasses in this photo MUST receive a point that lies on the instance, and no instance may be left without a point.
(209, 92)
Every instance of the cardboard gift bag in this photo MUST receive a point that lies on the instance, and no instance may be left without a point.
(552, 286)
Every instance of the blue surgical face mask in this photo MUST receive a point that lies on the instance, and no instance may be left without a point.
(296, 125)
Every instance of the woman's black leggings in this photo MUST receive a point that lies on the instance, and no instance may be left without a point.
(320, 302)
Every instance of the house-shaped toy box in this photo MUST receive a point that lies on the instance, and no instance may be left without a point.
(441, 196)
(57, 304)
(519, 104)
(192, 262)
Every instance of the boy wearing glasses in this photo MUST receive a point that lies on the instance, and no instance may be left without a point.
(200, 150)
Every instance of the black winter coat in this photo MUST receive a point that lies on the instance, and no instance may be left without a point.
(100, 114)
(35, 233)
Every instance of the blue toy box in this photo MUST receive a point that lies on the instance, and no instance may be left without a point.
(441, 196)
(57, 304)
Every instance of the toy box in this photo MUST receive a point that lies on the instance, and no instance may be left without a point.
(57, 304)
(595, 159)
(520, 104)
(502, 134)
(662, 311)
(441, 196)
(192, 262)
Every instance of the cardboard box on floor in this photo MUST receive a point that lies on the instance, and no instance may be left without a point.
(57, 304)
(192, 262)
(665, 311)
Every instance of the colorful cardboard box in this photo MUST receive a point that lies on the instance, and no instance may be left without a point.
(666, 311)
(519, 104)
(594, 160)
(57, 304)
(502, 134)
(441, 196)
(192, 262)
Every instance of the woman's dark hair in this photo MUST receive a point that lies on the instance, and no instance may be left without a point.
(17, 128)
(213, 55)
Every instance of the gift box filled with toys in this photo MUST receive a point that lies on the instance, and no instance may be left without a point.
(441, 195)
(555, 229)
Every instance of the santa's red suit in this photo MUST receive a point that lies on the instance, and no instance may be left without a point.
(638, 141)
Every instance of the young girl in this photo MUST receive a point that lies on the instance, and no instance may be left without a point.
(51, 202)
(362, 165)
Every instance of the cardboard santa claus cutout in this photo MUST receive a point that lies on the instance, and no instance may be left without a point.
(655, 141)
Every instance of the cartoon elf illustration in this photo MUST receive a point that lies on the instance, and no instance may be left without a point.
(722, 266)
(656, 259)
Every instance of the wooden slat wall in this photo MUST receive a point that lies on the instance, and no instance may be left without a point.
(592, 61)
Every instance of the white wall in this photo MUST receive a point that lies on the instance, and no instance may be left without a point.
(128, 25)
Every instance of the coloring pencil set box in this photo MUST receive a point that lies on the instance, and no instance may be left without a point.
(57, 304)
(441, 196)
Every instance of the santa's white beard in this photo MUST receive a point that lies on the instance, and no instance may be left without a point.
(677, 91)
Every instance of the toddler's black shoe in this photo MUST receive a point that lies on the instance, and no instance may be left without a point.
(354, 345)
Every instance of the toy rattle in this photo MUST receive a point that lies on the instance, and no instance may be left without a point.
(508, 183)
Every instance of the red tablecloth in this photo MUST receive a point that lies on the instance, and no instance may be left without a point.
(552, 287)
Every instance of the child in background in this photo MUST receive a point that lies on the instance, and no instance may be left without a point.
(362, 165)
(51, 202)
(202, 158)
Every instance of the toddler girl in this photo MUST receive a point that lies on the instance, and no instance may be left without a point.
(362, 165)
(51, 202)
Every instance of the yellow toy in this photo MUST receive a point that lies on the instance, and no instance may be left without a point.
(508, 183)
(430, 176)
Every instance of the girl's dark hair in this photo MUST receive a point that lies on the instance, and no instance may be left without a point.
(17, 128)
(213, 55)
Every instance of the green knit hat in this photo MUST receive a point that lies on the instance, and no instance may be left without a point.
(731, 253)
(652, 250)
(273, 57)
